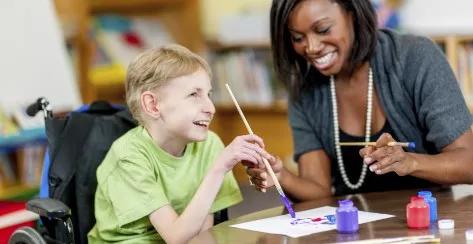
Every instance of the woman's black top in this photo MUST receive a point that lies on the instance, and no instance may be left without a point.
(373, 182)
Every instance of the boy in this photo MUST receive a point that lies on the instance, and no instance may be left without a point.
(162, 180)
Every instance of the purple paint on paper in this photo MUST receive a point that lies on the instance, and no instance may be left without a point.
(287, 203)
(328, 220)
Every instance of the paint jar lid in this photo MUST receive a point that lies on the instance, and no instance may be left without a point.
(345, 203)
(424, 194)
(469, 235)
(446, 224)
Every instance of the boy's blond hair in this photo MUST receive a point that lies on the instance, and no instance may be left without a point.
(155, 67)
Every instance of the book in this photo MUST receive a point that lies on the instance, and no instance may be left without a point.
(120, 39)
(248, 71)
(7, 172)
(30, 164)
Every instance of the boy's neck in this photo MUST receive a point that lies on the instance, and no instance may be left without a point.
(167, 142)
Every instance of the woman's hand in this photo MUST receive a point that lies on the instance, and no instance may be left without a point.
(259, 176)
(247, 149)
(383, 158)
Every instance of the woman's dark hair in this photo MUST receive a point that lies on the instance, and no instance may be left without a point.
(291, 68)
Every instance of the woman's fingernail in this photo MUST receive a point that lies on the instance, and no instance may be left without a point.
(263, 175)
(264, 183)
(373, 168)
(367, 160)
(378, 171)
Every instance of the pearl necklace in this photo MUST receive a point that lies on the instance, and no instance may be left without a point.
(336, 131)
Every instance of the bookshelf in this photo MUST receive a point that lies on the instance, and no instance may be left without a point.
(179, 17)
(18, 192)
(220, 48)
(21, 161)
(129, 6)
(459, 52)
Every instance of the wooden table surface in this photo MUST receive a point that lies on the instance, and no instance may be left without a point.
(394, 202)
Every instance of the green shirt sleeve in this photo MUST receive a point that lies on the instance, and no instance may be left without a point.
(135, 191)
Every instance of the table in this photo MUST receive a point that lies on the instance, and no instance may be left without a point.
(394, 202)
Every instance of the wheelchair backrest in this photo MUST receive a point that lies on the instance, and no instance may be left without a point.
(84, 140)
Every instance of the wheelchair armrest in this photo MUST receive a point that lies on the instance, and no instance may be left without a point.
(50, 208)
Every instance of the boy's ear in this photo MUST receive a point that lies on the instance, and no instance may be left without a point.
(149, 104)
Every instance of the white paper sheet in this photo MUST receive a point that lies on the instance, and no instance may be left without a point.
(282, 224)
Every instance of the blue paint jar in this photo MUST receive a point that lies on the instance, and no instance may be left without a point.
(432, 202)
(346, 217)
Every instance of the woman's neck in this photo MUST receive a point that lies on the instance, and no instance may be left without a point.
(350, 79)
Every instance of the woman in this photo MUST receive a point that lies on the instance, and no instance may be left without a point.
(349, 81)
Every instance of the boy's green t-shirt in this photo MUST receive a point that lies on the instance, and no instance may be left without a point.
(137, 177)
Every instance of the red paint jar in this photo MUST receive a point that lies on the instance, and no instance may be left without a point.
(418, 213)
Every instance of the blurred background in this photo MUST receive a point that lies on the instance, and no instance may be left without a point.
(76, 51)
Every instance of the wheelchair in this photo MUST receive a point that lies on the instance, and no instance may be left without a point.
(77, 144)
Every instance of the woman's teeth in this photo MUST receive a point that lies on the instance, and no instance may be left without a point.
(325, 59)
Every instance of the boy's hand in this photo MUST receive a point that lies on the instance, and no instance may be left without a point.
(261, 178)
(247, 148)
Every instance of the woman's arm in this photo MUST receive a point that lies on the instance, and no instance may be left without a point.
(454, 165)
(313, 181)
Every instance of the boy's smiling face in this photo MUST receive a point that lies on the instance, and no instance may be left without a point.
(185, 108)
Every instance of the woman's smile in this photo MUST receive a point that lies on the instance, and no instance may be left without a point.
(324, 62)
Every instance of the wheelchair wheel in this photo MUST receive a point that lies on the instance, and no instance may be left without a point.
(26, 235)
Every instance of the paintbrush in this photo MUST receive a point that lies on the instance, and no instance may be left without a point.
(410, 145)
(399, 240)
(282, 196)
